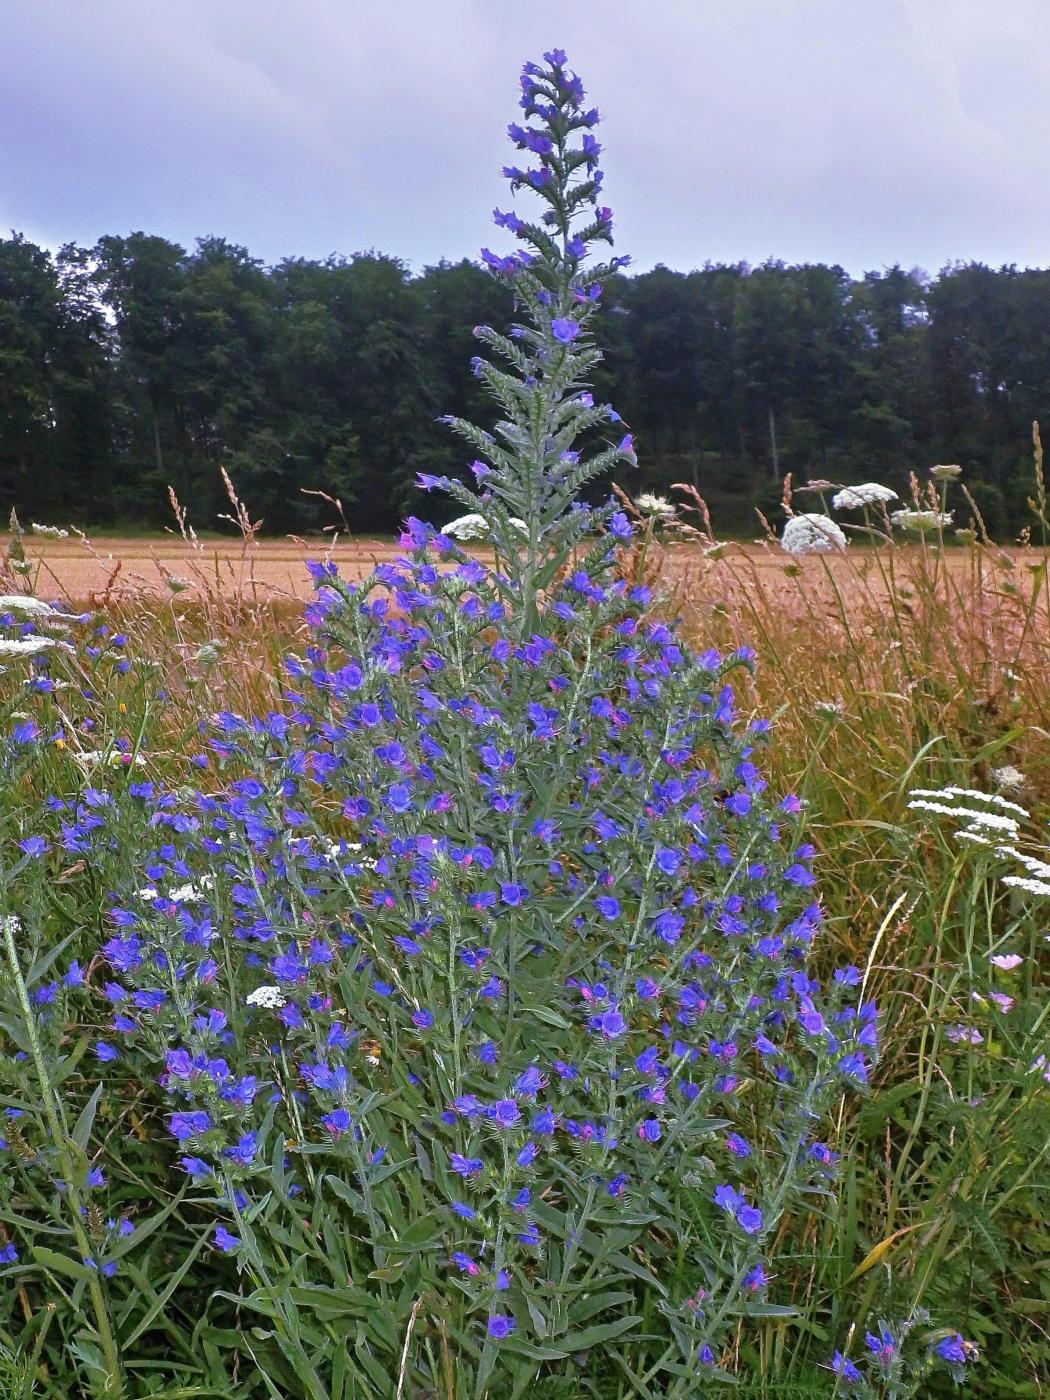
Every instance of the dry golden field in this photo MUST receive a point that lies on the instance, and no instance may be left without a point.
(113, 566)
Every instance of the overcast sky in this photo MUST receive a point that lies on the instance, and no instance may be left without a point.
(864, 132)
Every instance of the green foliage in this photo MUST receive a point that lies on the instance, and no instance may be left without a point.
(135, 365)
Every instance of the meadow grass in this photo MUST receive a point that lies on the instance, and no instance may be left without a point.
(891, 669)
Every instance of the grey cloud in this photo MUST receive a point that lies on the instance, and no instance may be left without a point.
(910, 130)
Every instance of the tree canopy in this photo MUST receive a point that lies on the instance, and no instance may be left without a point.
(137, 364)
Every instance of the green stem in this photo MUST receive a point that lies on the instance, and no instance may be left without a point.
(111, 1359)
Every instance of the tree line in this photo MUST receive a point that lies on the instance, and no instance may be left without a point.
(136, 364)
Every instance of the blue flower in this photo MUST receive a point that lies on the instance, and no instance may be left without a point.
(188, 1125)
(952, 1349)
(844, 1367)
(565, 330)
(224, 1240)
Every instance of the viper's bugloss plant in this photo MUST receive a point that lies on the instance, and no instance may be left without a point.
(479, 985)
(457, 1017)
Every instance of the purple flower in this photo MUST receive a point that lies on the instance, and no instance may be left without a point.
(224, 1240)
(565, 330)
(609, 1024)
(243, 1153)
(465, 1166)
(844, 1367)
(188, 1125)
(500, 1325)
(952, 1349)
(607, 906)
(337, 1122)
(649, 1131)
(749, 1219)
(727, 1197)
(505, 1113)
(513, 895)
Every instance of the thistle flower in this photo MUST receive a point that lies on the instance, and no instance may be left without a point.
(811, 534)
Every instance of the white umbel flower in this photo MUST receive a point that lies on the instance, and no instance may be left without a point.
(921, 519)
(25, 646)
(869, 493)
(972, 795)
(270, 998)
(1008, 778)
(655, 507)
(811, 534)
(1021, 882)
(476, 527)
(991, 821)
(24, 603)
(946, 471)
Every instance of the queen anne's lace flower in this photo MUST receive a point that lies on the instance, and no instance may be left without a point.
(657, 507)
(869, 493)
(921, 520)
(26, 646)
(811, 534)
(476, 527)
(24, 603)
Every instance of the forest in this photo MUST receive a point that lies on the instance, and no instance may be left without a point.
(136, 365)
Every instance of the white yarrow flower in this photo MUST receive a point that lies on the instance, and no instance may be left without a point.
(270, 998)
(869, 493)
(811, 534)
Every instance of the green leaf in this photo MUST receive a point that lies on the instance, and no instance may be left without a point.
(61, 1263)
(85, 1122)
